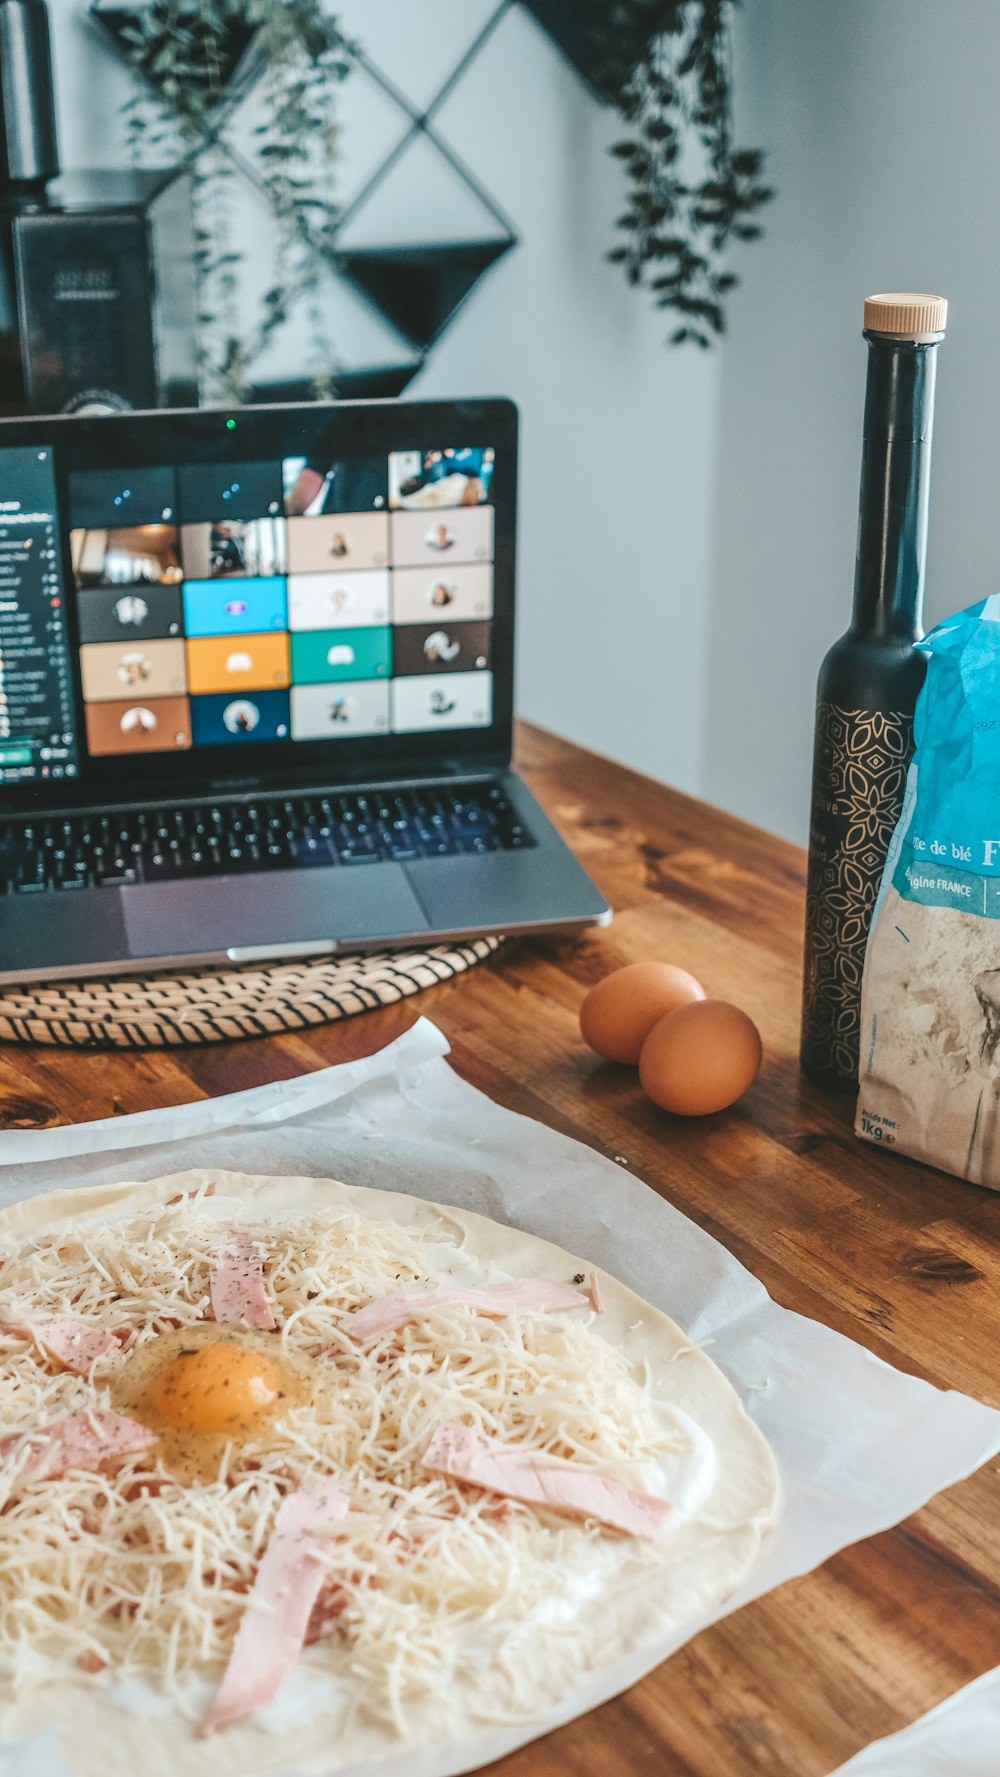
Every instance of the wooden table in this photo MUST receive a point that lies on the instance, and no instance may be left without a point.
(901, 1258)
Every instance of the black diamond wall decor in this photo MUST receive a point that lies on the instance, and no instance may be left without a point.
(416, 286)
(233, 69)
(421, 288)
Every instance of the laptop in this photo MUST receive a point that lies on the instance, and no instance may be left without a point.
(256, 689)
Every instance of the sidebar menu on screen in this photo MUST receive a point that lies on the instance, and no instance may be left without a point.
(37, 738)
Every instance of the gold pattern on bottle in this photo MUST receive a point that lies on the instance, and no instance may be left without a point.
(861, 761)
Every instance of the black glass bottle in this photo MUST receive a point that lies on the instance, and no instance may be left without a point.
(869, 682)
(29, 157)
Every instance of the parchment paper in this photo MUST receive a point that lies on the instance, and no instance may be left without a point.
(960, 1738)
(860, 1445)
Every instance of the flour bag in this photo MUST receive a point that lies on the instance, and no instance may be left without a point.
(930, 1007)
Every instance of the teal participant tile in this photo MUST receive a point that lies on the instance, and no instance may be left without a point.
(323, 656)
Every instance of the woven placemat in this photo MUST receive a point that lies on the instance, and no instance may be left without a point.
(223, 1005)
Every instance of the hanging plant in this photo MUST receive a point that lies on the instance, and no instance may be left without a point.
(191, 55)
(692, 190)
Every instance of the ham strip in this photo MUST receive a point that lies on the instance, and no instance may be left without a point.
(77, 1440)
(543, 1480)
(196, 1191)
(527, 1295)
(71, 1342)
(237, 1286)
(273, 1628)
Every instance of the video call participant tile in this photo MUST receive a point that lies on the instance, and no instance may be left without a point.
(143, 669)
(424, 480)
(111, 614)
(232, 608)
(207, 492)
(237, 663)
(117, 497)
(353, 540)
(234, 548)
(338, 712)
(338, 601)
(445, 700)
(258, 715)
(454, 595)
(156, 725)
(441, 540)
(442, 648)
(325, 656)
(131, 555)
(322, 483)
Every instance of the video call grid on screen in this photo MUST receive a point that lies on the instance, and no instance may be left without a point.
(221, 603)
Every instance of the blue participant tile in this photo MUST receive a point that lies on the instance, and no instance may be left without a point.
(235, 607)
(250, 715)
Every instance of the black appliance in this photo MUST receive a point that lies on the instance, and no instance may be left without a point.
(97, 289)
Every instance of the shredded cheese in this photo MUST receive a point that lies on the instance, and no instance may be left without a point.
(134, 1572)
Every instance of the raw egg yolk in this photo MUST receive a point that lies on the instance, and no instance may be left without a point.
(215, 1388)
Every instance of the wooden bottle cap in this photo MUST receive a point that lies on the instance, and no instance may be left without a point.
(905, 315)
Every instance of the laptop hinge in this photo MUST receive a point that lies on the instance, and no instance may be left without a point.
(434, 771)
(430, 770)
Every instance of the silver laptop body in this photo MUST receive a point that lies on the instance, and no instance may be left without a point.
(256, 689)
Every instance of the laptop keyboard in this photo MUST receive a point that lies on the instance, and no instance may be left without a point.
(272, 833)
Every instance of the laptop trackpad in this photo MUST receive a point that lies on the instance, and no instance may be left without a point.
(196, 915)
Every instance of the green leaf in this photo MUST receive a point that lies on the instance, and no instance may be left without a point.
(671, 92)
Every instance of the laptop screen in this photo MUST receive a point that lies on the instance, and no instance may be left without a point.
(201, 596)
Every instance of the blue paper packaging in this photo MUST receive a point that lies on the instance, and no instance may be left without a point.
(930, 1008)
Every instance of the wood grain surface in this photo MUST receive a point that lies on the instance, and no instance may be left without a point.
(903, 1259)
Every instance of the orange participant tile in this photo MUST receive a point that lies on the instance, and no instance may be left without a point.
(237, 663)
(142, 725)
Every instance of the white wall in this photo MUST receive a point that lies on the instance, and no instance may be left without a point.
(883, 131)
(688, 522)
(618, 433)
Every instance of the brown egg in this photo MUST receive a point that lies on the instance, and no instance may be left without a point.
(700, 1058)
(618, 1014)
